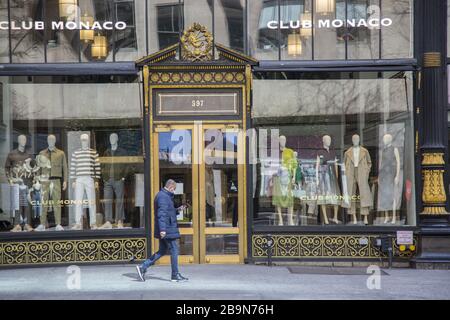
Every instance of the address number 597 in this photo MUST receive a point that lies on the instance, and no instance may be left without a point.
(197, 103)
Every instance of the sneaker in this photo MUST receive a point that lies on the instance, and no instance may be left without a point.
(336, 221)
(76, 227)
(106, 225)
(141, 273)
(59, 228)
(17, 228)
(94, 227)
(119, 225)
(28, 228)
(178, 278)
(40, 228)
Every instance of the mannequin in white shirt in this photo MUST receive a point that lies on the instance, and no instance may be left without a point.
(356, 140)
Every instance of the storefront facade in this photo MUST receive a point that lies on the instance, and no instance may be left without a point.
(296, 130)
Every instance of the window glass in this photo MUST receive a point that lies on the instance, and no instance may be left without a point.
(329, 42)
(101, 48)
(311, 128)
(397, 39)
(200, 11)
(130, 43)
(165, 23)
(362, 42)
(27, 45)
(342, 29)
(296, 42)
(4, 34)
(229, 23)
(62, 45)
(71, 154)
(263, 41)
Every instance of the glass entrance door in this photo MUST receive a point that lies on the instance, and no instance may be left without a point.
(208, 164)
(221, 196)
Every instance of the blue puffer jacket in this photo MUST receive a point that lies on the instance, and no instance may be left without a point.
(165, 215)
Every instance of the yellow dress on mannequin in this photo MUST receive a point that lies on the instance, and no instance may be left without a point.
(282, 183)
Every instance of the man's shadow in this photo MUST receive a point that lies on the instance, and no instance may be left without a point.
(135, 277)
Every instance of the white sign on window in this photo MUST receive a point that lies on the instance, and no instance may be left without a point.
(179, 189)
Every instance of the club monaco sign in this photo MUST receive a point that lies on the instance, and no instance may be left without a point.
(374, 20)
(328, 23)
(62, 25)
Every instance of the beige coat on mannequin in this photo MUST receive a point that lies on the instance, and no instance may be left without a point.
(364, 166)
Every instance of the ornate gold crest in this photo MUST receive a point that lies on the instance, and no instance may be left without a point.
(196, 43)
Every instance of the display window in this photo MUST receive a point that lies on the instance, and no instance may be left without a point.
(54, 31)
(71, 154)
(333, 149)
(126, 30)
(330, 29)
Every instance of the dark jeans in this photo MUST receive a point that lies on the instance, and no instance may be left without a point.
(164, 246)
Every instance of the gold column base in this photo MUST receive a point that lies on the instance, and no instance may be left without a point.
(434, 196)
(434, 211)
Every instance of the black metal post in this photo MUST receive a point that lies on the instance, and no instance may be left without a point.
(434, 114)
(434, 242)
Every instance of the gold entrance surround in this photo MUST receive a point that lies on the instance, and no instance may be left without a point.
(196, 67)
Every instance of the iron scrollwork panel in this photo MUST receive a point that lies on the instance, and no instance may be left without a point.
(323, 246)
(68, 251)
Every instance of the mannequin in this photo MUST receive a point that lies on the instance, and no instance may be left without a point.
(358, 163)
(210, 195)
(85, 172)
(54, 183)
(283, 182)
(17, 178)
(388, 179)
(327, 182)
(113, 175)
(35, 199)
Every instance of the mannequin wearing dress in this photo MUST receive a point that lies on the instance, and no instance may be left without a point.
(286, 179)
(388, 179)
(329, 188)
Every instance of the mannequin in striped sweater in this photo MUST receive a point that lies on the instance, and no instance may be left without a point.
(85, 174)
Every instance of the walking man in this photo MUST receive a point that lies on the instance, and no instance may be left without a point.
(166, 230)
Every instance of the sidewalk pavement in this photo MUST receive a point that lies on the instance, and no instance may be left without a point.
(233, 282)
